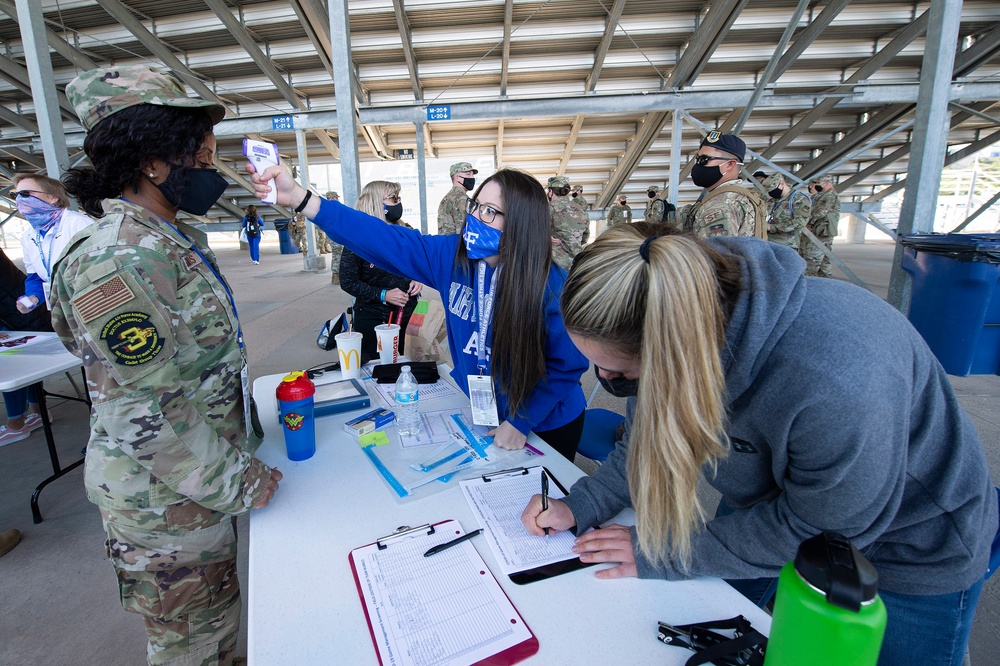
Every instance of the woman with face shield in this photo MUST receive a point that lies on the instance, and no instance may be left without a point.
(139, 297)
(500, 294)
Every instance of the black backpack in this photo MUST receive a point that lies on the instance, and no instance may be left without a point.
(253, 226)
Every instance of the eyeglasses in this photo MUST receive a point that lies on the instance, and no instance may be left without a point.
(487, 214)
(392, 198)
(702, 160)
(27, 193)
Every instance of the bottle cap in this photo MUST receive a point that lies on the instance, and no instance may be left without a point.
(295, 386)
(832, 565)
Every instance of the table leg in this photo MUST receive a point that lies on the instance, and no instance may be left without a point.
(57, 471)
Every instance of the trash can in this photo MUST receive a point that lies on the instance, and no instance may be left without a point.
(285, 242)
(955, 300)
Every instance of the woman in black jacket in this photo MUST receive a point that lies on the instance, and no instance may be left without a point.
(381, 297)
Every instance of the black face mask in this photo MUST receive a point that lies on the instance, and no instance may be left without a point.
(650, 194)
(618, 387)
(818, 188)
(621, 201)
(574, 194)
(705, 176)
(775, 193)
(468, 183)
(393, 212)
(193, 190)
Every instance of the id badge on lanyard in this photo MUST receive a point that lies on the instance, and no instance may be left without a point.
(481, 395)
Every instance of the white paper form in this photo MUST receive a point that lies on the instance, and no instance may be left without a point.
(446, 609)
(439, 389)
(498, 504)
(435, 428)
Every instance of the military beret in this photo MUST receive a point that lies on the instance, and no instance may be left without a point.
(558, 181)
(99, 93)
(728, 143)
(773, 181)
(462, 166)
(652, 188)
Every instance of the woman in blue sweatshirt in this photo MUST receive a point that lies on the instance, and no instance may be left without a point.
(498, 284)
(809, 404)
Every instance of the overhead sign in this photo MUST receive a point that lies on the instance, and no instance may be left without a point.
(282, 123)
(439, 112)
(404, 154)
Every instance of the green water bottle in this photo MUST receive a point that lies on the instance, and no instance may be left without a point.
(827, 611)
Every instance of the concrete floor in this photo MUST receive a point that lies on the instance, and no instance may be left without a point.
(58, 604)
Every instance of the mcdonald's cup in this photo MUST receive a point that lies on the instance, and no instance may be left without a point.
(388, 343)
(349, 350)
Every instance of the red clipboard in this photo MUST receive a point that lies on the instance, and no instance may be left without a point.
(393, 568)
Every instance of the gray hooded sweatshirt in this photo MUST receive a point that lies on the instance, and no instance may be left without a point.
(840, 418)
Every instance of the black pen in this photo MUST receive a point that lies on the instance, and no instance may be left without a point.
(448, 544)
(545, 496)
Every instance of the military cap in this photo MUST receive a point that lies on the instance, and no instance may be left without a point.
(99, 93)
(462, 166)
(653, 188)
(760, 174)
(727, 143)
(577, 188)
(558, 181)
(773, 181)
(821, 179)
(331, 195)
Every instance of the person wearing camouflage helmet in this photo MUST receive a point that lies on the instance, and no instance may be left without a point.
(570, 225)
(619, 212)
(823, 221)
(788, 213)
(336, 250)
(452, 209)
(139, 297)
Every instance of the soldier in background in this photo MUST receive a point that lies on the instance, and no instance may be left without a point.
(619, 212)
(297, 229)
(789, 213)
(453, 207)
(576, 192)
(654, 207)
(138, 297)
(729, 206)
(823, 223)
(335, 249)
(570, 225)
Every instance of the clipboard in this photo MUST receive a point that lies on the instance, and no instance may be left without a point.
(499, 515)
(447, 608)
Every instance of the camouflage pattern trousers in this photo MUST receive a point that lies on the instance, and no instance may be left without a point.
(176, 567)
(817, 263)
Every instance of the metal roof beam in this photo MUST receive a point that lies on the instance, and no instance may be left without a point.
(123, 15)
(18, 77)
(574, 133)
(980, 53)
(984, 116)
(508, 17)
(60, 45)
(809, 35)
(314, 24)
(17, 119)
(239, 31)
(24, 156)
(406, 35)
(327, 142)
(869, 67)
(602, 50)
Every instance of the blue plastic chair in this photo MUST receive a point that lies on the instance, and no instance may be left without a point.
(598, 440)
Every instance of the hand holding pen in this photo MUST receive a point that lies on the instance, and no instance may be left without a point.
(545, 496)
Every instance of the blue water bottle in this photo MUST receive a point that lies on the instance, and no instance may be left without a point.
(295, 404)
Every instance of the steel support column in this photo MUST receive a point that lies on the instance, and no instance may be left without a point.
(43, 88)
(343, 81)
(312, 261)
(676, 151)
(930, 138)
(422, 176)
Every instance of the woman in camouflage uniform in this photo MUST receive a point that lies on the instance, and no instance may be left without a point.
(139, 297)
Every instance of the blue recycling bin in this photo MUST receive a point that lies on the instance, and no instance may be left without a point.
(955, 300)
(285, 242)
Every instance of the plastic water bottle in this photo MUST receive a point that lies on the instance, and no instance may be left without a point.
(827, 611)
(407, 399)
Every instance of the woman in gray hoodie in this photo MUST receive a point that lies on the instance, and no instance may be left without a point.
(810, 405)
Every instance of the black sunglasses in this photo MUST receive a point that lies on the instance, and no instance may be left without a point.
(27, 193)
(702, 160)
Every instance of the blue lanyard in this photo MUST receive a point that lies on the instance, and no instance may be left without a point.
(484, 303)
(46, 261)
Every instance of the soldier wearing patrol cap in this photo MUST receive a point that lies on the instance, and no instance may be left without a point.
(336, 250)
(788, 214)
(729, 205)
(654, 207)
(139, 297)
(619, 212)
(570, 225)
(454, 205)
(823, 223)
(576, 193)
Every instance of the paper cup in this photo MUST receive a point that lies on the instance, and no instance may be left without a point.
(349, 350)
(388, 343)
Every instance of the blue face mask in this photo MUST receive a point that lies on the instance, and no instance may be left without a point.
(481, 240)
(41, 215)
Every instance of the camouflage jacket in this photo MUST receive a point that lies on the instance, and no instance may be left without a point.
(581, 201)
(297, 228)
(825, 216)
(728, 214)
(570, 228)
(157, 333)
(654, 210)
(451, 211)
(619, 214)
(787, 217)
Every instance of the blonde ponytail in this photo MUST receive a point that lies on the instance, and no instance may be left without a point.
(669, 313)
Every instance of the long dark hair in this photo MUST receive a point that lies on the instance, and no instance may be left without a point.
(518, 352)
(120, 144)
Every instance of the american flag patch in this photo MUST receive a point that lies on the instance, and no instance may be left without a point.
(102, 299)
